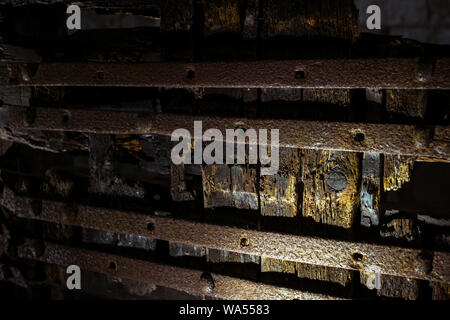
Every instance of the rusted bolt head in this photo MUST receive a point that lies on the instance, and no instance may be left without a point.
(65, 117)
(112, 266)
(299, 74)
(151, 226)
(25, 73)
(424, 70)
(336, 181)
(207, 282)
(244, 242)
(358, 257)
(427, 258)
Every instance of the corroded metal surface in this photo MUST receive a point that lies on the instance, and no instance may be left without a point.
(194, 282)
(390, 260)
(89, 3)
(326, 73)
(393, 139)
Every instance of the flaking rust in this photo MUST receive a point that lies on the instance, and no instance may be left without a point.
(404, 262)
(330, 179)
(279, 192)
(397, 171)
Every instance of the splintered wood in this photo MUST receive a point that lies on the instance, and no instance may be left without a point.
(279, 192)
(397, 171)
(223, 256)
(229, 186)
(401, 228)
(324, 273)
(277, 265)
(331, 194)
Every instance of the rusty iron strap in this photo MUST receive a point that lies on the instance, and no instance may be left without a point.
(326, 73)
(395, 261)
(116, 4)
(431, 141)
(191, 281)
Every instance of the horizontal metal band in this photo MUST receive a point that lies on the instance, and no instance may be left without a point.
(325, 73)
(430, 141)
(123, 4)
(194, 282)
(389, 260)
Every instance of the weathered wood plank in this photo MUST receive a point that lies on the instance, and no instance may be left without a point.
(230, 186)
(331, 194)
(409, 103)
(397, 171)
(371, 189)
(277, 265)
(279, 192)
(324, 273)
(310, 18)
(178, 187)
